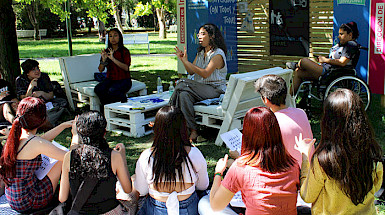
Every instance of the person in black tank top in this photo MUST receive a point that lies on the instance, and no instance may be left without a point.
(93, 157)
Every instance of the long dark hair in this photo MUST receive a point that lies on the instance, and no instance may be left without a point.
(216, 38)
(31, 114)
(347, 149)
(120, 42)
(264, 149)
(90, 158)
(168, 148)
(351, 27)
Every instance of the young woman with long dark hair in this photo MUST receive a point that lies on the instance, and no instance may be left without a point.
(209, 71)
(117, 59)
(92, 156)
(172, 169)
(345, 171)
(22, 157)
(345, 54)
(265, 173)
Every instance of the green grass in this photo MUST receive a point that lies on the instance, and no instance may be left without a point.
(46, 48)
(148, 69)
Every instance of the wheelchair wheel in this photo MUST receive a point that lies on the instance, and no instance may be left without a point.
(352, 83)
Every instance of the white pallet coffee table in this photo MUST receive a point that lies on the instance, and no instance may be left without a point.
(125, 118)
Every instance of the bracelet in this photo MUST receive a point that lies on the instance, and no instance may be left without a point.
(218, 173)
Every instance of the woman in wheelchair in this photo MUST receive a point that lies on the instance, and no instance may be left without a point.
(345, 55)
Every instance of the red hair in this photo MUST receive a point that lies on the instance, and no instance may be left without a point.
(31, 114)
(262, 144)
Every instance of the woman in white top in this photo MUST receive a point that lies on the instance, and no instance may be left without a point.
(171, 169)
(209, 71)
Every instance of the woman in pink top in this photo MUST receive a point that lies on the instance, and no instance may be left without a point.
(265, 173)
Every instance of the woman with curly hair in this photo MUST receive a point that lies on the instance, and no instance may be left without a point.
(21, 157)
(93, 157)
(345, 170)
(209, 71)
(172, 169)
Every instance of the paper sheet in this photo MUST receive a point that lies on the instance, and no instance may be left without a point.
(233, 140)
(236, 201)
(47, 163)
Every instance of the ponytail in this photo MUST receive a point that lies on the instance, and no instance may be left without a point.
(9, 155)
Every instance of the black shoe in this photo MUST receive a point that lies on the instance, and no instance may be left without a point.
(292, 65)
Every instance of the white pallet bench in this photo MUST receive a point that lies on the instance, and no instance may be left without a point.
(134, 123)
(239, 97)
(78, 77)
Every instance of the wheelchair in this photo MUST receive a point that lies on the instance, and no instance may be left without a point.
(328, 83)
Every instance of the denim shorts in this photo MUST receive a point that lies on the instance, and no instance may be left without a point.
(186, 207)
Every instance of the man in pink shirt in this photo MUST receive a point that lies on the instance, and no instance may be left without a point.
(292, 121)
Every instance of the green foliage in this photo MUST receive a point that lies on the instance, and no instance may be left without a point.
(142, 10)
(146, 9)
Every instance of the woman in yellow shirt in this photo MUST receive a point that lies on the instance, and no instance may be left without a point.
(345, 170)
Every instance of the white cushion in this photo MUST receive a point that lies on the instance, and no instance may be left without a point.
(211, 109)
(136, 86)
(88, 87)
(85, 87)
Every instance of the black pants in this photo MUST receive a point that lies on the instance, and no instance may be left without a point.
(110, 91)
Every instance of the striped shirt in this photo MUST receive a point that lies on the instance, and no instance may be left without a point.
(218, 78)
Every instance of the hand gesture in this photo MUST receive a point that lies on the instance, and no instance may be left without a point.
(121, 149)
(68, 123)
(181, 55)
(103, 53)
(322, 59)
(233, 154)
(221, 164)
(5, 131)
(32, 84)
(110, 53)
(304, 145)
(4, 94)
(73, 125)
(37, 94)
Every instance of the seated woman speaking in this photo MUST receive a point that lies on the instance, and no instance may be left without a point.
(209, 71)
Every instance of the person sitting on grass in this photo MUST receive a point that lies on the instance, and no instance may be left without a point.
(265, 173)
(91, 156)
(37, 84)
(8, 101)
(345, 54)
(21, 157)
(345, 170)
(172, 169)
(292, 121)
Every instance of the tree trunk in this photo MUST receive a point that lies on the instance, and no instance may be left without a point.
(32, 11)
(162, 23)
(118, 20)
(9, 52)
(101, 31)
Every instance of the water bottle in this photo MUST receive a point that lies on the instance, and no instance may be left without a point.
(171, 88)
(159, 86)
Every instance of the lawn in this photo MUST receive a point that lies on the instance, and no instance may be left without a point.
(47, 48)
(148, 68)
